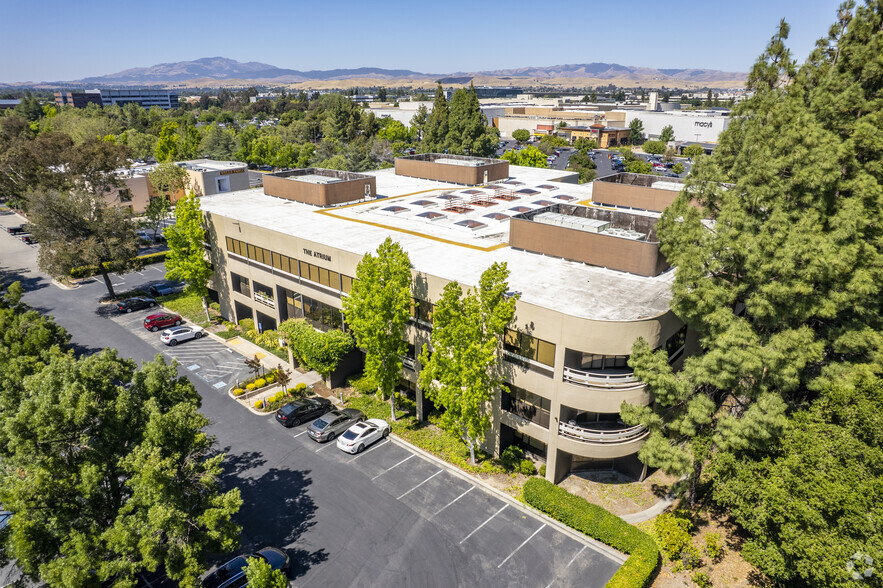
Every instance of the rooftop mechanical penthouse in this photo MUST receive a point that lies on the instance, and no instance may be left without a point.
(584, 299)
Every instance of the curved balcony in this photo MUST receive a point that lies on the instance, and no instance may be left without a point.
(615, 380)
(600, 440)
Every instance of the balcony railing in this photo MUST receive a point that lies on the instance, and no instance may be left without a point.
(265, 299)
(409, 363)
(619, 381)
(598, 435)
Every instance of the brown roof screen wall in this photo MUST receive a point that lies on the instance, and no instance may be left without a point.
(634, 191)
(425, 166)
(638, 257)
(349, 186)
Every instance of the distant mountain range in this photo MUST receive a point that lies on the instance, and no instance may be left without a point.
(221, 71)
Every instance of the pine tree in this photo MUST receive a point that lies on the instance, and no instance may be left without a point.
(436, 131)
(783, 288)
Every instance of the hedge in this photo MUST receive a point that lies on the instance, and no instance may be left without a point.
(596, 522)
(85, 271)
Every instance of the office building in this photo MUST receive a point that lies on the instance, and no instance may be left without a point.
(78, 99)
(165, 99)
(590, 279)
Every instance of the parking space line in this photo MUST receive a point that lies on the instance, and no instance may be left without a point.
(325, 445)
(396, 465)
(299, 434)
(420, 484)
(471, 488)
(523, 543)
(370, 449)
(483, 524)
(573, 559)
(153, 267)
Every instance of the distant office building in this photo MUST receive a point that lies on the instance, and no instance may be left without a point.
(165, 99)
(9, 104)
(77, 99)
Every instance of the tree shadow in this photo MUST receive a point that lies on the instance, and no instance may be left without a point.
(276, 507)
(30, 280)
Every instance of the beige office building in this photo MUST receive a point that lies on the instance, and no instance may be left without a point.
(590, 281)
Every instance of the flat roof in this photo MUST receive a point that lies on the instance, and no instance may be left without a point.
(211, 164)
(441, 247)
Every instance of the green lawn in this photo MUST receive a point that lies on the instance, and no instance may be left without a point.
(188, 306)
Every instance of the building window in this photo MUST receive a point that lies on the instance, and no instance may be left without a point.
(240, 284)
(125, 195)
(594, 362)
(421, 310)
(529, 444)
(529, 347)
(527, 405)
(674, 346)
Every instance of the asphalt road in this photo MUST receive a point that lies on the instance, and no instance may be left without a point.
(387, 517)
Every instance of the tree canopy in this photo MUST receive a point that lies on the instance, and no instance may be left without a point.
(377, 311)
(783, 291)
(186, 259)
(528, 157)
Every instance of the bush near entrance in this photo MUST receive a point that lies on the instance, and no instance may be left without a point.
(596, 522)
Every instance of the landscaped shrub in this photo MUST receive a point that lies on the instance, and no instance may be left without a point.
(278, 396)
(714, 547)
(259, 404)
(672, 533)
(543, 471)
(690, 558)
(300, 388)
(270, 378)
(215, 306)
(228, 334)
(250, 387)
(260, 383)
(594, 521)
(238, 392)
(246, 325)
(363, 385)
(702, 580)
(527, 467)
(511, 458)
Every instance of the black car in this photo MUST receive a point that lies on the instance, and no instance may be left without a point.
(28, 240)
(333, 423)
(232, 573)
(291, 415)
(136, 303)
(17, 230)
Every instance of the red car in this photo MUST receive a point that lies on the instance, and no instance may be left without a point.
(155, 322)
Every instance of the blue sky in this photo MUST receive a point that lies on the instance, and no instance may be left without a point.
(54, 40)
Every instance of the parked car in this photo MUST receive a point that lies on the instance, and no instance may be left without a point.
(671, 175)
(135, 303)
(232, 573)
(155, 322)
(16, 230)
(177, 335)
(165, 289)
(293, 414)
(27, 239)
(333, 423)
(361, 435)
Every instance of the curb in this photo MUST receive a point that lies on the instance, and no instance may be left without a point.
(599, 547)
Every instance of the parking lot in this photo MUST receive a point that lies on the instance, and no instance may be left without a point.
(207, 359)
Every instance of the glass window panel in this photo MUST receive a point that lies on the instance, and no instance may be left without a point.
(314, 273)
(251, 253)
(510, 340)
(346, 284)
(240, 247)
(334, 280)
(229, 244)
(277, 260)
(546, 353)
(324, 277)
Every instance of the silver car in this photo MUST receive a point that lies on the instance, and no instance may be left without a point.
(179, 334)
(333, 423)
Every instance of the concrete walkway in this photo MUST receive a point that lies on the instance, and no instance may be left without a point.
(654, 511)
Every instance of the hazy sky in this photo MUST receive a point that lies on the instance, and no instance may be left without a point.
(64, 40)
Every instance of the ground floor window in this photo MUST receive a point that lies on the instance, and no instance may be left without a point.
(321, 316)
(510, 436)
(527, 405)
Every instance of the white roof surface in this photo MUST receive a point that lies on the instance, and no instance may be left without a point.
(441, 248)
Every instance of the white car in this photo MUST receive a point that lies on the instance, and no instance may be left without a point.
(179, 334)
(363, 434)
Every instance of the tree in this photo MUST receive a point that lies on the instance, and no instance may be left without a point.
(109, 471)
(788, 190)
(394, 131)
(667, 135)
(158, 210)
(169, 181)
(678, 168)
(463, 374)
(418, 122)
(78, 228)
(693, 151)
(654, 147)
(186, 259)
(636, 135)
(521, 135)
(260, 574)
(218, 143)
(167, 144)
(585, 144)
(816, 498)
(593, 97)
(583, 164)
(468, 131)
(377, 312)
(530, 157)
(638, 166)
(314, 349)
(381, 94)
(436, 131)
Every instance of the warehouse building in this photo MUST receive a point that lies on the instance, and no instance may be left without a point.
(590, 279)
